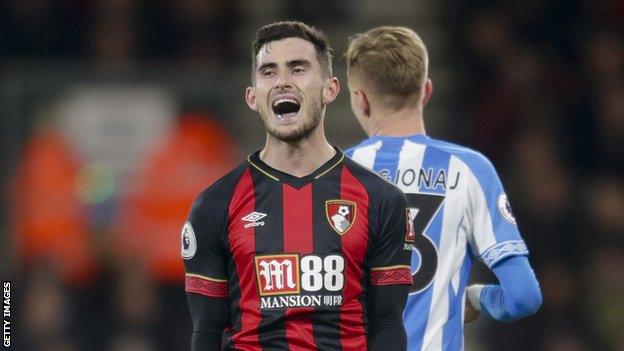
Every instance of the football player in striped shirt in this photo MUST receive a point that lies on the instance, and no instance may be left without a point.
(458, 208)
(299, 248)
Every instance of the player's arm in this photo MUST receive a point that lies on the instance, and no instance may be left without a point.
(205, 281)
(494, 237)
(390, 279)
(210, 317)
(385, 317)
(517, 296)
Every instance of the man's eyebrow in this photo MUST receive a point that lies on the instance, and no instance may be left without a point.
(298, 62)
(267, 65)
(291, 63)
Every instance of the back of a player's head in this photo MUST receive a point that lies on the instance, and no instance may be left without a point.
(293, 29)
(391, 61)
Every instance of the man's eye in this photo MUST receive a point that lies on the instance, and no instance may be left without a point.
(268, 72)
(298, 70)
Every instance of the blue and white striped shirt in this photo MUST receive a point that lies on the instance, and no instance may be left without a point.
(459, 211)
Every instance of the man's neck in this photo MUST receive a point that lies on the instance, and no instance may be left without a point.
(400, 123)
(298, 159)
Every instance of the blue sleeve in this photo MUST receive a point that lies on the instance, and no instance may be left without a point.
(494, 234)
(518, 294)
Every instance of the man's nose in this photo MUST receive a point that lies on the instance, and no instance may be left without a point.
(284, 79)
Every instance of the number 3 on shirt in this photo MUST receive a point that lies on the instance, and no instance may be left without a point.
(423, 208)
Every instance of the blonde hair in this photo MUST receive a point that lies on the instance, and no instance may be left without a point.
(392, 61)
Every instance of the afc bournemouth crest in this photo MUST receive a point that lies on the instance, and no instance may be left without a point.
(340, 214)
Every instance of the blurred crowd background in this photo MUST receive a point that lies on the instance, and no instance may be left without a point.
(114, 114)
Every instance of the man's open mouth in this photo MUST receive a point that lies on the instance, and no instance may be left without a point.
(286, 107)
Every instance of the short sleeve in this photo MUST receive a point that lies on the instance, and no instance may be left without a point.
(390, 254)
(203, 249)
(493, 233)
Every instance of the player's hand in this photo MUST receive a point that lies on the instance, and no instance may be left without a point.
(470, 313)
(472, 310)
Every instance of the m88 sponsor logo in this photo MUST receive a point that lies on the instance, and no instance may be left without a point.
(291, 280)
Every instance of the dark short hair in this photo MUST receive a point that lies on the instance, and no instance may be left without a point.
(292, 29)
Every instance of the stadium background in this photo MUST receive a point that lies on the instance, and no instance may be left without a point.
(115, 113)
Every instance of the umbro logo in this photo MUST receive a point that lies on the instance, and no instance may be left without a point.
(253, 218)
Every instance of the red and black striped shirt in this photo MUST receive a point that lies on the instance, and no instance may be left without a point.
(295, 257)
